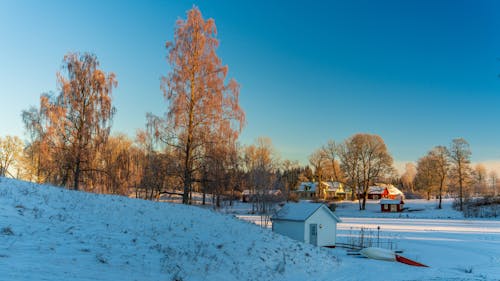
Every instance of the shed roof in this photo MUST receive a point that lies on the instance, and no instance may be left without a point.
(300, 211)
(391, 201)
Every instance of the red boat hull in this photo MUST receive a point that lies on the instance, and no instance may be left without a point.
(408, 261)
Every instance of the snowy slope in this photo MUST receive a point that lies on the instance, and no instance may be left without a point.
(48, 233)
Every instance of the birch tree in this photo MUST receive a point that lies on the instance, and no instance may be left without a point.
(71, 127)
(200, 100)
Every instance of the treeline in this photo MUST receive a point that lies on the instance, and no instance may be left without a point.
(448, 171)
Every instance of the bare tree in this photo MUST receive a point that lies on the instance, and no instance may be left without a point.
(426, 179)
(349, 162)
(460, 155)
(440, 156)
(365, 159)
(331, 154)
(11, 149)
(261, 163)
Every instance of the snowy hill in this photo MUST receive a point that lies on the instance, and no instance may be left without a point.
(49, 233)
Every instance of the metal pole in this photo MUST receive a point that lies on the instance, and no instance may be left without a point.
(378, 236)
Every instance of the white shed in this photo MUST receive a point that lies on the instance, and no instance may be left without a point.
(312, 223)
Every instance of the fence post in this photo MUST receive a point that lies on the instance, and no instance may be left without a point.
(378, 236)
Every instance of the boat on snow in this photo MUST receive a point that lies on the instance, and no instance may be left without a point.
(387, 255)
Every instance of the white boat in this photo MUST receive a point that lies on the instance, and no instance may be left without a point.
(378, 254)
(388, 255)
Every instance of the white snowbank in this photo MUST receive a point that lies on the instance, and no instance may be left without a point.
(49, 233)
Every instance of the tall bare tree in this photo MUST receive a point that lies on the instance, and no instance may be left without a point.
(460, 155)
(200, 103)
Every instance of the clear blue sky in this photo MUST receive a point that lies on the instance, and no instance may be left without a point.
(418, 73)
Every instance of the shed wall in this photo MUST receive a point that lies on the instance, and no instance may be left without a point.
(292, 229)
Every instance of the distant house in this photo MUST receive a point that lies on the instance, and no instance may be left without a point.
(332, 190)
(312, 223)
(307, 190)
(325, 190)
(250, 196)
(382, 190)
(391, 205)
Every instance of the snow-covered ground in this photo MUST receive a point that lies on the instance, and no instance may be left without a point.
(48, 233)
(455, 248)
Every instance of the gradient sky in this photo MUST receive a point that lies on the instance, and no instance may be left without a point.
(418, 73)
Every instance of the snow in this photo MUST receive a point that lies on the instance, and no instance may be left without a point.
(48, 233)
(455, 248)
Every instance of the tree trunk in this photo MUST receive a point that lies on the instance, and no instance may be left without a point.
(77, 175)
(363, 206)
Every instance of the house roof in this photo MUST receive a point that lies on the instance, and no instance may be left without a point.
(393, 190)
(380, 187)
(301, 211)
(332, 186)
(376, 189)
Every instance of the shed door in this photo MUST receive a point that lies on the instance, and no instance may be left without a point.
(313, 234)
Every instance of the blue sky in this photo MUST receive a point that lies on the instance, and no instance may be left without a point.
(418, 73)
